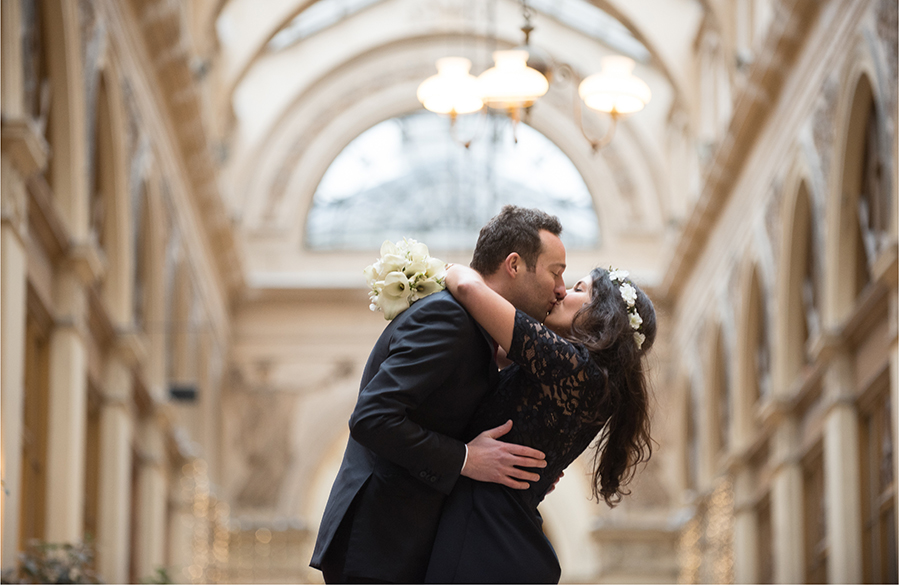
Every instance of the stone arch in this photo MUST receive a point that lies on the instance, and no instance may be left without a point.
(110, 210)
(798, 294)
(313, 126)
(847, 269)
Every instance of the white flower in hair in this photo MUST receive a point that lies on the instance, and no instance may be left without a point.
(619, 275)
(635, 320)
(639, 339)
(628, 294)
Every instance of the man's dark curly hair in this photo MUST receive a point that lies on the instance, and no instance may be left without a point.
(514, 229)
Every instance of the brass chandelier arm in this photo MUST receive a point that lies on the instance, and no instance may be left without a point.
(454, 135)
(566, 71)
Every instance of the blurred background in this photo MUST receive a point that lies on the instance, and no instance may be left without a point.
(192, 188)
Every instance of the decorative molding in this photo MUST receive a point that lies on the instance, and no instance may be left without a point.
(131, 346)
(45, 221)
(87, 262)
(22, 141)
(753, 107)
(161, 23)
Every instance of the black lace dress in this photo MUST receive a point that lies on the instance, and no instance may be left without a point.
(490, 533)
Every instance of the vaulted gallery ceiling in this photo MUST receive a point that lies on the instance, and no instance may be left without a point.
(299, 83)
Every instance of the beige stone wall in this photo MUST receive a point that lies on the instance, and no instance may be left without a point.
(148, 242)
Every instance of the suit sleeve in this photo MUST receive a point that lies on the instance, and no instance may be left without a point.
(424, 353)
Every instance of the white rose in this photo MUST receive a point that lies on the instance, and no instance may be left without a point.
(371, 274)
(639, 339)
(628, 294)
(619, 275)
(635, 320)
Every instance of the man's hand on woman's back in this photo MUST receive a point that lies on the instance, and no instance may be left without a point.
(494, 461)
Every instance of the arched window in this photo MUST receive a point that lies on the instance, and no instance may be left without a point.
(865, 223)
(721, 397)
(406, 177)
(692, 437)
(803, 320)
(143, 247)
(873, 207)
(758, 334)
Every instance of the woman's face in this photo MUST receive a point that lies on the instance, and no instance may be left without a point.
(560, 318)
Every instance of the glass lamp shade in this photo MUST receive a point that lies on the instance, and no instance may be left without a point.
(453, 90)
(615, 90)
(511, 82)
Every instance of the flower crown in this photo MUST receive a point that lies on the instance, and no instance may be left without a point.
(629, 295)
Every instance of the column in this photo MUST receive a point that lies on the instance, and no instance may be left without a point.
(67, 418)
(842, 475)
(745, 553)
(114, 515)
(12, 355)
(153, 504)
(787, 505)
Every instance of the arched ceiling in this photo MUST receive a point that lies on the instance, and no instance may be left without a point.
(296, 105)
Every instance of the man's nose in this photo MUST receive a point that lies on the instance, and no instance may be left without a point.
(560, 292)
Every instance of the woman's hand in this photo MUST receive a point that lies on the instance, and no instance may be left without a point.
(460, 276)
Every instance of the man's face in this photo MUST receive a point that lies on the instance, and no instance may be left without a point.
(537, 291)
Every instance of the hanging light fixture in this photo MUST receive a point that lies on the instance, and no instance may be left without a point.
(512, 85)
(453, 90)
(615, 90)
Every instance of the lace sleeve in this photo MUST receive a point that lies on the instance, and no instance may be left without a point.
(546, 356)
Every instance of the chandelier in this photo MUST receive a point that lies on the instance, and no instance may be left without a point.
(512, 86)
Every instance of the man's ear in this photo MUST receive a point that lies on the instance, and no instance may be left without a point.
(512, 264)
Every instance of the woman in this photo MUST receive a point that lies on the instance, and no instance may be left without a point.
(577, 375)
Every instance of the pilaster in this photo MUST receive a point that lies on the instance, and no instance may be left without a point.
(67, 417)
(153, 504)
(842, 475)
(787, 505)
(114, 515)
(13, 305)
(745, 529)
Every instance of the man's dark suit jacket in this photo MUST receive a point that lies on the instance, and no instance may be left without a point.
(425, 376)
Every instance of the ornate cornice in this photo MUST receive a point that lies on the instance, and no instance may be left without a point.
(160, 22)
(753, 107)
(23, 143)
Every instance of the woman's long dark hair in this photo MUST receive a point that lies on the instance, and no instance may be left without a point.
(603, 327)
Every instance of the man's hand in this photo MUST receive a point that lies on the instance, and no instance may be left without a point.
(498, 462)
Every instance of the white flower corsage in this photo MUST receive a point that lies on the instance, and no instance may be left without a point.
(404, 274)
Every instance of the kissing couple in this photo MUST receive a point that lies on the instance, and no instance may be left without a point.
(449, 455)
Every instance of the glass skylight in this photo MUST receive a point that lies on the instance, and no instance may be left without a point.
(318, 16)
(595, 23)
(406, 177)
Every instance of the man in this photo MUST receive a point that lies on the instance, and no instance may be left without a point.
(425, 376)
